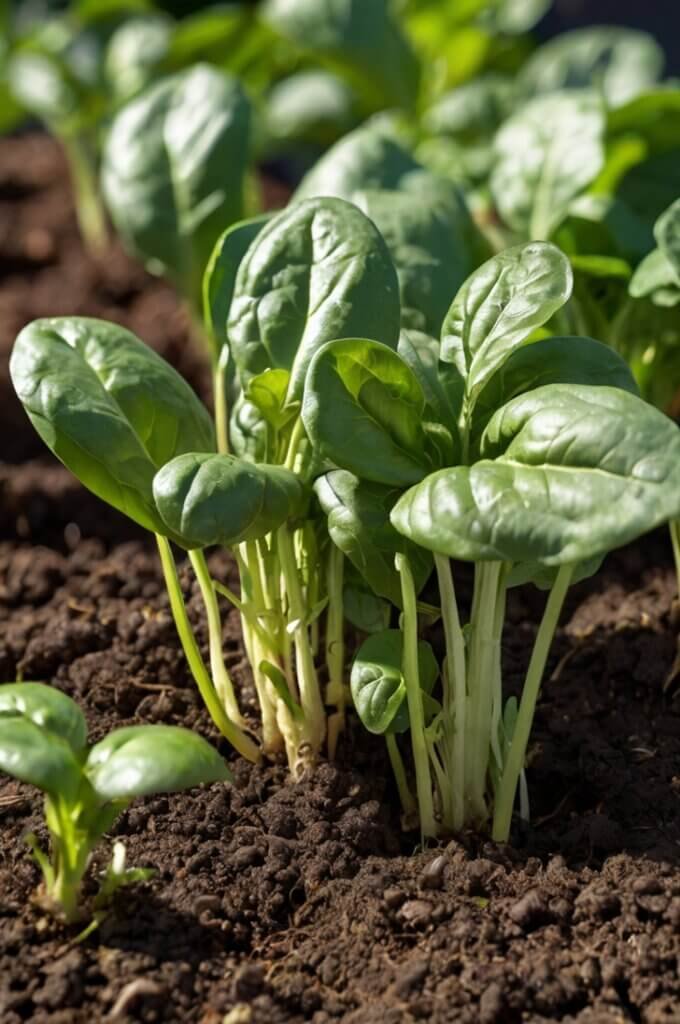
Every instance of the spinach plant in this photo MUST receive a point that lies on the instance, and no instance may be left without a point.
(529, 456)
(43, 741)
(134, 433)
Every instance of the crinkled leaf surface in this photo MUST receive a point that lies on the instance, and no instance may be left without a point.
(431, 238)
(110, 408)
(551, 361)
(370, 157)
(220, 499)
(378, 686)
(499, 306)
(173, 170)
(566, 473)
(359, 524)
(442, 385)
(318, 271)
(144, 759)
(363, 410)
(545, 155)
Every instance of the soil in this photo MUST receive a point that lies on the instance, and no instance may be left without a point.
(276, 903)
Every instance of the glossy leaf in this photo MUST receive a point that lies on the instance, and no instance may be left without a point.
(357, 37)
(566, 473)
(619, 62)
(143, 759)
(441, 383)
(220, 277)
(220, 499)
(358, 516)
(551, 361)
(250, 435)
(370, 157)
(363, 410)
(545, 156)
(472, 111)
(658, 276)
(110, 408)
(173, 170)
(312, 275)
(378, 686)
(363, 609)
(312, 106)
(46, 707)
(431, 238)
(268, 392)
(499, 306)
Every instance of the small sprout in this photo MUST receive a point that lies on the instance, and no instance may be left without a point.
(43, 741)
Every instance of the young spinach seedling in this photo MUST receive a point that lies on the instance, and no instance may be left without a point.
(43, 741)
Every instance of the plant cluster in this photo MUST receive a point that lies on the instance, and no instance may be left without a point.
(404, 364)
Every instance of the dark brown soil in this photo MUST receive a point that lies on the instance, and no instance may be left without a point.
(276, 903)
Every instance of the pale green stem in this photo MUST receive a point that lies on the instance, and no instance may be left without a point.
(89, 208)
(219, 382)
(455, 691)
(480, 685)
(408, 804)
(297, 435)
(308, 685)
(514, 762)
(229, 730)
(497, 690)
(335, 647)
(411, 673)
(220, 675)
(271, 734)
(674, 528)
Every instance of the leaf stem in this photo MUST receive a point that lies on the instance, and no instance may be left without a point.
(220, 675)
(455, 691)
(411, 673)
(89, 208)
(242, 743)
(514, 762)
(335, 647)
(310, 696)
(408, 804)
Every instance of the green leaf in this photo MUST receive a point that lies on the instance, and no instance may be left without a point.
(363, 409)
(110, 408)
(220, 277)
(48, 708)
(378, 686)
(546, 154)
(551, 361)
(370, 157)
(268, 392)
(473, 111)
(667, 234)
(250, 435)
(357, 38)
(220, 499)
(442, 385)
(433, 243)
(364, 610)
(499, 306)
(656, 277)
(173, 171)
(359, 524)
(618, 62)
(312, 275)
(143, 759)
(135, 52)
(311, 106)
(42, 737)
(567, 473)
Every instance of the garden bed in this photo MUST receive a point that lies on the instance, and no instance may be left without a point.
(276, 902)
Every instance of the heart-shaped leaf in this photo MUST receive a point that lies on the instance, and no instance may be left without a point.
(378, 686)
(220, 499)
(567, 473)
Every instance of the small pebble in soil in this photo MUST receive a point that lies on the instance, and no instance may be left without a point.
(530, 911)
(416, 913)
(433, 874)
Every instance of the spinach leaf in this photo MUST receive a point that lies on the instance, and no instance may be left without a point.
(318, 271)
